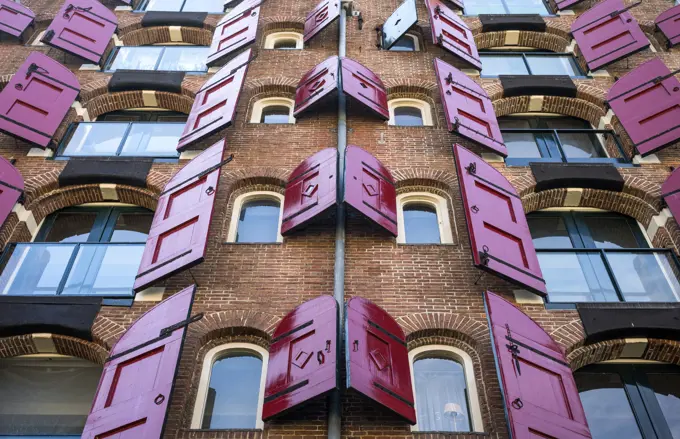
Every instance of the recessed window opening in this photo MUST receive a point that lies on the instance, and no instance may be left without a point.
(182, 58)
(407, 43)
(256, 218)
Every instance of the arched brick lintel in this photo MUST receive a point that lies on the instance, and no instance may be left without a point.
(589, 105)
(101, 101)
(429, 324)
(71, 346)
(580, 354)
(553, 39)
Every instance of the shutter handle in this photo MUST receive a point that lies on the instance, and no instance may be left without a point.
(210, 190)
(159, 399)
(328, 346)
(474, 209)
(356, 345)
(517, 403)
(320, 357)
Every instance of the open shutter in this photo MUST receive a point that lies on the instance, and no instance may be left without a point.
(370, 189)
(317, 84)
(311, 190)
(668, 23)
(606, 33)
(541, 398)
(179, 232)
(215, 103)
(323, 14)
(302, 356)
(37, 98)
(136, 386)
(451, 32)
(14, 18)
(11, 187)
(647, 102)
(82, 28)
(377, 357)
(235, 31)
(399, 23)
(499, 234)
(670, 191)
(469, 111)
(364, 86)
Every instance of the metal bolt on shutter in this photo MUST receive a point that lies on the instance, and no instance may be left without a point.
(326, 12)
(234, 32)
(15, 18)
(11, 188)
(668, 23)
(451, 32)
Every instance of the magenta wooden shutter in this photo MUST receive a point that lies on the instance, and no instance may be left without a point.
(14, 18)
(215, 103)
(670, 191)
(302, 356)
(541, 398)
(647, 102)
(323, 14)
(468, 109)
(318, 83)
(370, 189)
(451, 32)
(11, 187)
(82, 28)
(136, 386)
(179, 232)
(235, 31)
(499, 234)
(364, 86)
(668, 23)
(607, 32)
(37, 98)
(311, 190)
(377, 358)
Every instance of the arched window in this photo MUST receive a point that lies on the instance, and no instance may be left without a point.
(423, 219)
(409, 112)
(407, 43)
(273, 111)
(283, 41)
(256, 218)
(445, 390)
(231, 389)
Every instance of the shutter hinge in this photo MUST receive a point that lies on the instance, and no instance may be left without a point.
(484, 256)
(35, 68)
(472, 167)
(71, 7)
(513, 348)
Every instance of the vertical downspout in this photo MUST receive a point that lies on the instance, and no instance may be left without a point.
(334, 403)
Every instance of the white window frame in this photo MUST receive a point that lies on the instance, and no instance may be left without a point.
(416, 43)
(210, 358)
(462, 357)
(260, 105)
(253, 196)
(36, 41)
(423, 106)
(440, 205)
(271, 39)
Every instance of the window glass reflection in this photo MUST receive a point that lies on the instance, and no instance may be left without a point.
(404, 44)
(275, 114)
(408, 116)
(136, 58)
(152, 140)
(666, 387)
(184, 59)
(552, 65)
(494, 65)
(441, 395)
(258, 221)
(421, 224)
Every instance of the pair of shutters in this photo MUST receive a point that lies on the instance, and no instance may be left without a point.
(670, 191)
(451, 33)
(607, 33)
(303, 361)
(326, 12)
(235, 31)
(11, 188)
(37, 98)
(82, 28)
(647, 102)
(668, 22)
(358, 82)
(312, 189)
(15, 18)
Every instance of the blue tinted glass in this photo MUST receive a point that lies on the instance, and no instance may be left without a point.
(185, 59)
(203, 6)
(421, 224)
(35, 269)
(152, 140)
(165, 5)
(549, 232)
(259, 221)
(275, 114)
(645, 277)
(95, 139)
(494, 65)
(408, 117)
(136, 58)
(666, 387)
(476, 7)
(520, 145)
(132, 227)
(552, 65)
(441, 395)
(404, 44)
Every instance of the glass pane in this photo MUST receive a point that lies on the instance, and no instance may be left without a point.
(35, 269)
(421, 224)
(606, 406)
(153, 140)
(520, 145)
(233, 393)
(404, 44)
(132, 227)
(275, 114)
(408, 117)
(285, 44)
(136, 58)
(494, 65)
(204, 6)
(259, 221)
(576, 145)
(612, 232)
(164, 5)
(185, 59)
(646, 277)
(71, 227)
(666, 387)
(549, 232)
(526, 7)
(441, 395)
(572, 277)
(46, 396)
(476, 7)
(552, 65)
(95, 139)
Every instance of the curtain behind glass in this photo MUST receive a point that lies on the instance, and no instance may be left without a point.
(441, 395)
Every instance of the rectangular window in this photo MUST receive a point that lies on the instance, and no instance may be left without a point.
(163, 58)
(514, 63)
(476, 7)
(209, 6)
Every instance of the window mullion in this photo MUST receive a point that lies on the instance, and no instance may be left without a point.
(556, 136)
(69, 267)
(160, 58)
(636, 401)
(526, 63)
(651, 405)
(123, 139)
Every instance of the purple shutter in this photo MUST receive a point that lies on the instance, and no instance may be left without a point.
(398, 23)
(302, 356)
(311, 190)
(468, 109)
(14, 18)
(564, 4)
(451, 32)
(647, 102)
(215, 103)
(234, 32)
(668, 23)
(606, 33)
(377, 358)
(670, 191)
(364, 86)
(82, 28)
(37, 98)
(136, 386)
(499, 234)
(541, 398)
(11, 187)
(318, 83)
(323, 14)
(370, 189)
(179, 232)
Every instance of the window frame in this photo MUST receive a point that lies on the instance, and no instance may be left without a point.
(416, 43)
(236, 213)
(209, 360)
(463, 358)
(423, 106)
(537, 54)
(441, 206)
(261, 104)
(548, 9)
(271, 39)
(141, 8)
(112, 57)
